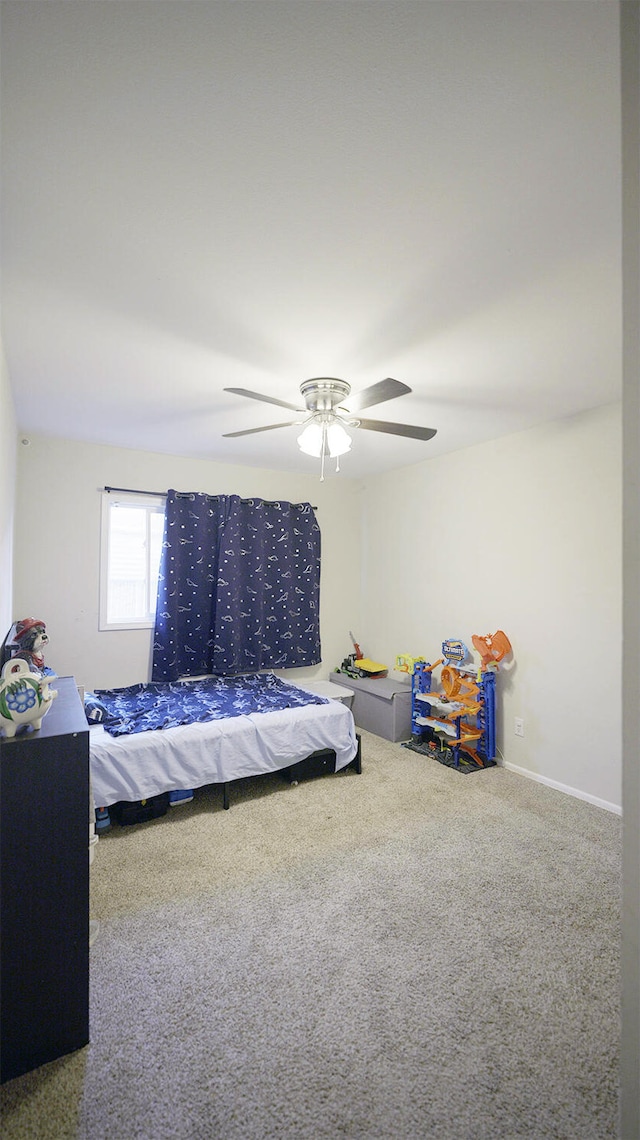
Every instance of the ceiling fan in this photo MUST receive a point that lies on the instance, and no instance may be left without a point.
(327, 418)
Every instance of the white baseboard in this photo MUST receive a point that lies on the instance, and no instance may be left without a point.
(562, 787)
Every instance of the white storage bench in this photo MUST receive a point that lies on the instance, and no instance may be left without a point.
(380, 704)
(324, 689)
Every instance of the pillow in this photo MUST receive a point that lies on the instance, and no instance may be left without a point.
(94, 710)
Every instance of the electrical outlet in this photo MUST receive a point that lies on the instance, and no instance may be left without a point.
(519, 726)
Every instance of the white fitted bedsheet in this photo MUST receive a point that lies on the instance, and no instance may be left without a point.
(144, 764)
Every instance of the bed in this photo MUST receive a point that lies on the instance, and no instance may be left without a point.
(147, 740)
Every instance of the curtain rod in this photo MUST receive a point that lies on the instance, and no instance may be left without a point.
(131, 491)
(163, 495)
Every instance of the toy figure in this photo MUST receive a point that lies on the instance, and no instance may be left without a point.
(31, 637)
(492, 648)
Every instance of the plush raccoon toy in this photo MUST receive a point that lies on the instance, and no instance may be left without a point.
(31, 638)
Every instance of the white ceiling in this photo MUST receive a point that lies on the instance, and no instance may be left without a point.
(246, 193)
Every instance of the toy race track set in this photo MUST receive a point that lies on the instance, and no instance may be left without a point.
(454, 722)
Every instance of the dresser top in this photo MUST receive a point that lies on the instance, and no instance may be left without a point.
(65, 715)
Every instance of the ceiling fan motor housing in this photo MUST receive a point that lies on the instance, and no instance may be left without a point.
(324, 393)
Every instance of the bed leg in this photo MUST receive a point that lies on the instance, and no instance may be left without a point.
(357, 760)
(225, 796)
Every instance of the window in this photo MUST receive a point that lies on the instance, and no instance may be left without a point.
(132, 529)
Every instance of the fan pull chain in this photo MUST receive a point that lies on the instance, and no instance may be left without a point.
(323, 451)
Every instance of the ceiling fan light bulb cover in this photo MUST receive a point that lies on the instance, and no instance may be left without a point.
(338, 440)
(310, 440)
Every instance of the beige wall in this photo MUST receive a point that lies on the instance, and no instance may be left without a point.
(7, 494)
(58, 540)
(522, 534)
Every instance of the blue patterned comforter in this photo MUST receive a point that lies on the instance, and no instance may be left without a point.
(166, 704)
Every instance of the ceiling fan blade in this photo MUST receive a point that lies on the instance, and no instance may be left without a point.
(408, 430)
(252, 431)
(377, 394)
(265, 399)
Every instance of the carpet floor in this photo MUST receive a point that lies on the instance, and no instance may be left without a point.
(406, 953)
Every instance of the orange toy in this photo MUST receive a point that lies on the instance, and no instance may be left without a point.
(457, 687)
(462, 692)
(491, 648)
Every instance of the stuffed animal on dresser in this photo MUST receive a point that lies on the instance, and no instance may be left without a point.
(31, 638)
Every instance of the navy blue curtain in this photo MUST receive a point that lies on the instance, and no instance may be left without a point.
(239, 587)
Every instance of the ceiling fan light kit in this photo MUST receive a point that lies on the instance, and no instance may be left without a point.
(327, 436)
(325, 428)
(325, 433)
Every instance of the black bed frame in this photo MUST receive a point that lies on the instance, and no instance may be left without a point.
(318, 763)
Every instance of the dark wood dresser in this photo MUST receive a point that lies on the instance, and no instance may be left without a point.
(44, 887)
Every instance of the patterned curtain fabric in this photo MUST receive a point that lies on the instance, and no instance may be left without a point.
(239, 587)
